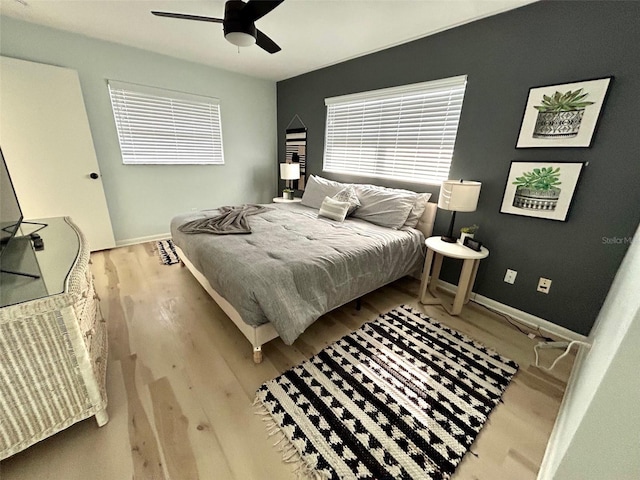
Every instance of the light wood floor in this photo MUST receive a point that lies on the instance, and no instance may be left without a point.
(181, 383)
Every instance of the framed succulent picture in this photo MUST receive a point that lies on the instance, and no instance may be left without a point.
(541, 189)
(564, 115)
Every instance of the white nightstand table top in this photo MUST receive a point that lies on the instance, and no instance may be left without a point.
(455, 250)
(286, 200)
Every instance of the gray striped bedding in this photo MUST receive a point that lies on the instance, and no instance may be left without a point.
(296, 266)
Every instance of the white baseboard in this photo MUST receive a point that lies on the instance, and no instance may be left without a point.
(525, 318)
(135, 241)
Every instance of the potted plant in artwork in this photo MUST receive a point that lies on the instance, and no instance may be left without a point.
(538, 189)
(560, 115)
(468, 232)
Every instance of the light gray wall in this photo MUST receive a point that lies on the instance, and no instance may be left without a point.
(544, 43)
(596, 433)
(143, 199)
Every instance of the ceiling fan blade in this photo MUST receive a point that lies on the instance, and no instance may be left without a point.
(256, 9)
(266, 43)
(188, 17)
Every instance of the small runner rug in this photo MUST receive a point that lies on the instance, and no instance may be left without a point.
(167, 252)
(403, 397)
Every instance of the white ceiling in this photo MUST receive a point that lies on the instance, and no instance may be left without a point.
(312, 33)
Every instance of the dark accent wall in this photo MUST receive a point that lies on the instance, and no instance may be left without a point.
(544, 43)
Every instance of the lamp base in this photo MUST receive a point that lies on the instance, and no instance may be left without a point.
(449, 238)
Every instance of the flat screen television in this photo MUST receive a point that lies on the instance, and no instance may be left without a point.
(10, 212)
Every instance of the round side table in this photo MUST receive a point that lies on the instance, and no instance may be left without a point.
(286, 200)
(436, 251)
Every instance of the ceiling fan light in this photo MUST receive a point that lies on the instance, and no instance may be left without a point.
(240, 39)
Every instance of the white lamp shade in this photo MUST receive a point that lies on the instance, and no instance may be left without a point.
(459, 196)
(289, 171)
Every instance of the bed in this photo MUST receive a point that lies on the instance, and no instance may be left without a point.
(297, 265)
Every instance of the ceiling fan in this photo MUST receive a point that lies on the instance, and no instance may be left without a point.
(239, 22)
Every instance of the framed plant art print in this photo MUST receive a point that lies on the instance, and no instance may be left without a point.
(564, 115)
(541, 189)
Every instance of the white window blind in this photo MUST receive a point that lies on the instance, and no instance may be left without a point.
(405, 133)
(165, 126)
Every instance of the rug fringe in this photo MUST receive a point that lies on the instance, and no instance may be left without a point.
(289, 452)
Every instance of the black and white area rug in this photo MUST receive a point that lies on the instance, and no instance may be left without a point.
(167, 252)
(403, 397)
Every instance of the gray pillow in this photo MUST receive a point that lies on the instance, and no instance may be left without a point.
(317, 188)
(334, 209)
(384, 207)
(418, 209)
(348, 194)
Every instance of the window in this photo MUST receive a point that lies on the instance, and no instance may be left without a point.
(404, 133)
(166, 127)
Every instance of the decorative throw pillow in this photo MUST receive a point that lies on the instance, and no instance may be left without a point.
(334, 209)
(317, 188)
(418, 209)
(348, 194)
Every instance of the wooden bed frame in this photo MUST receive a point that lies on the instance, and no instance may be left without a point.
(261, 334)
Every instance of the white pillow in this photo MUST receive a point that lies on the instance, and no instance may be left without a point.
(383, 206)
(334, 209)
(348, 194)
(317, 188)
(418, 209)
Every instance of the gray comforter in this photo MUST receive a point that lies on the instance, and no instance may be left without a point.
(294, 266)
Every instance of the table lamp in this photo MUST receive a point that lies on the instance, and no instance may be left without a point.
(458, 196)
(289, 172)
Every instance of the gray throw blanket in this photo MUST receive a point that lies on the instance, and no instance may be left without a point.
(229, 220)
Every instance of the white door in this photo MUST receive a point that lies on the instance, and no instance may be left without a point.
(47, 144)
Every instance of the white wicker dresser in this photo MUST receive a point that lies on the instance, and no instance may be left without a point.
(53, 348)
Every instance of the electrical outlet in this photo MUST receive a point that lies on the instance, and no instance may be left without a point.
(544, 285)
(510, 276)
